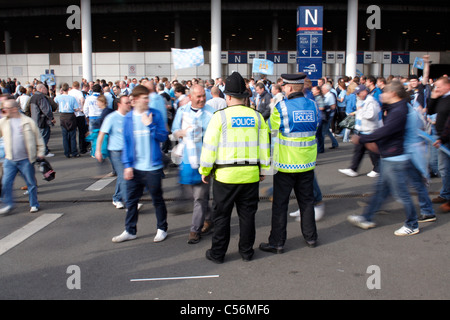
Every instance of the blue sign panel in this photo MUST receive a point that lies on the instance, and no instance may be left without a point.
(310, 17)
(237, 56)
(304, 45)
(277, 56)
(316, 45)
(400, 57)
(309, 40)
(311, 66)
(360, 57)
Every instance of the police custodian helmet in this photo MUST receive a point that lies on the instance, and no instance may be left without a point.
(235, 86)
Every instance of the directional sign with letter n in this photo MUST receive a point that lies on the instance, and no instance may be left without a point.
(237, 57)
(309, 41)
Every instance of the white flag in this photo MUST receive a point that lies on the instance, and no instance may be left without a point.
(186, 58)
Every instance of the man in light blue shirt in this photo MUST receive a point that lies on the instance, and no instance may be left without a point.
(68, 105)
(143, 132)
(109, 97)
(330, 106)
(112, 129)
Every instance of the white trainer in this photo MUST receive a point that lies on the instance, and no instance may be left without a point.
(405, 231)
(124, 236)
(118, 204)
(373, 174)
(34, 209)
(160, 236)
(349, 172)
(5, 209)
(319, 211)
(360, 222)
(295, 213)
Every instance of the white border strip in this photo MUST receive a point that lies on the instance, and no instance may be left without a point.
(100, 184)
(175, 278)
(27, 231)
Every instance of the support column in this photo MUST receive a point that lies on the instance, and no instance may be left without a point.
(275, 32)
(177, 31)
(216, 38)
(7, 42)
(352, 38)
(373, 39)
(86, 39)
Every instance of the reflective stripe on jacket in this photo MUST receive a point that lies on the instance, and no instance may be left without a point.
(236, 145)
(294, 125)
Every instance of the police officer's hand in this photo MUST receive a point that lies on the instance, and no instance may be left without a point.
(205, 179)
(262, 178)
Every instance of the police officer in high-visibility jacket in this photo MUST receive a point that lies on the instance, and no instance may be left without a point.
(294, 123)
(236, 151)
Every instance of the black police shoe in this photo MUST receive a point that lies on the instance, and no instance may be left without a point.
(268, 248)
(209, 257)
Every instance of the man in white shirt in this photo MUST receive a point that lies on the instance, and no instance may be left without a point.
(80, 117)
(91, 109)
(216, 102)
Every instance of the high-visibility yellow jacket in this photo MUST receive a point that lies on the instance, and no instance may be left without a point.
(236, 145)
(294, 124)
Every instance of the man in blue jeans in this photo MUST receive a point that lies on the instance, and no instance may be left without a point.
(394, 164)
(23, 144)
(439, 104)
(113, 127)
(68, 105)
(143, 131)
(329, 100)
(42, 114)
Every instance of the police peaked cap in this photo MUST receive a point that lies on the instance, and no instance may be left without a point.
(235, 86)
(293, 78)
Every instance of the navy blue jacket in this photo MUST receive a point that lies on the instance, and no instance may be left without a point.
(390, 137)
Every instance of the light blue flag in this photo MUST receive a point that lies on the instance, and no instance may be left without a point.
(262, 66)
(187, 58)
(50, 78)
(418, 63)
(426, 136)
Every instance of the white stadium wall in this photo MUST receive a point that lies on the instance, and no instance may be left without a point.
(113, 66)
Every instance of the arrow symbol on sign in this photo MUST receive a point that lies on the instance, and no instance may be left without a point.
(304, 51)
(316, 51)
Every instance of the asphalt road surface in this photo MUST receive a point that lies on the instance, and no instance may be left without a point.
(65, 252)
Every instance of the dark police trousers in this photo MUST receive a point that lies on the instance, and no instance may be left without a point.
(283, 183)
(246, 197)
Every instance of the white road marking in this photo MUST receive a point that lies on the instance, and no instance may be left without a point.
(27, 231)
(175, 278)
(100, 184)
